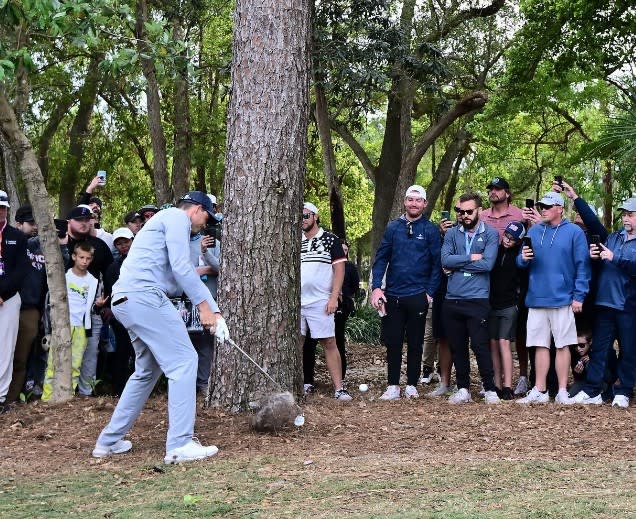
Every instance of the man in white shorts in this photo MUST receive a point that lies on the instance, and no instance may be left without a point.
(322, 267)
(559, 265)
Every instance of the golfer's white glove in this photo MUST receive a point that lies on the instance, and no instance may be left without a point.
(221, 332)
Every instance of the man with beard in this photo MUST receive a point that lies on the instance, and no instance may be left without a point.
(469, 253)
(322, 267)
(559, 270)
(409, 256)
(79, 229)
(501, 211)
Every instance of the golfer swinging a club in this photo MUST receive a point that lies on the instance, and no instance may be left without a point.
(158, 266)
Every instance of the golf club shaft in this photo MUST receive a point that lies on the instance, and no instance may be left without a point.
(254, 362)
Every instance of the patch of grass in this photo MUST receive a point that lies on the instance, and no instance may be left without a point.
(364, 326)
(374, 486)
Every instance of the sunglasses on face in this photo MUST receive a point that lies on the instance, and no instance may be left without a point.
(544, 207)
(307, 216)
(462, 212)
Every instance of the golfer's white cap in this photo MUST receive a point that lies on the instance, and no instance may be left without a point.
(416, 192)
(310, 207)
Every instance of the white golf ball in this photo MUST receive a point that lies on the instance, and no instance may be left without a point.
(363, 387)
(299, 421)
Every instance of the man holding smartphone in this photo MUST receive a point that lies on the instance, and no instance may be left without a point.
(501, 212)
(409, 255)
(559, 270)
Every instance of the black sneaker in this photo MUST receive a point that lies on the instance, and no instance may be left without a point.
(506, 394)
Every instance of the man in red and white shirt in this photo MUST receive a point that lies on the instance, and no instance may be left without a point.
(501, 212)
(322, 267)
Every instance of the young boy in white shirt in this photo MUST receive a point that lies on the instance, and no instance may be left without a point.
(81, 288)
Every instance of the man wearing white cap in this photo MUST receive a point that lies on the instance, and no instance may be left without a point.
(559, 268)
(409, 255)
(322, 268)
(615, 305)
(13, 269)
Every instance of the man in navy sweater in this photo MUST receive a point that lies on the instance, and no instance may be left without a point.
(617, 280)
(559, 277)
(409, 254)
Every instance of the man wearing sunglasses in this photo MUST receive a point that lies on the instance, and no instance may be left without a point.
(469, 253)
(559, 269)
(409, 256)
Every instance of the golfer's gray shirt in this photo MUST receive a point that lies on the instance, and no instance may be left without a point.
(160, 258)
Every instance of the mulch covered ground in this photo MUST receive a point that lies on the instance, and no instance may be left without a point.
(38, 439)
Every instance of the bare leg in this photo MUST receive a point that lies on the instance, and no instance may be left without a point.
(542, 365)
(506, 362)
(562, 365)
(332, 359)
(445, 361)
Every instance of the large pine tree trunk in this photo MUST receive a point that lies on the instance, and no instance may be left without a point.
(60, 353)
(265, 171)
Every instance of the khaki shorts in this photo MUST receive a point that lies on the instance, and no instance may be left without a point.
(556, 322)
(314, 317)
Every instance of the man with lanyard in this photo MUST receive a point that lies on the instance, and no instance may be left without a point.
(469, 253)
(158, 267)
(616, 284)
(13, 269)
(409, 255)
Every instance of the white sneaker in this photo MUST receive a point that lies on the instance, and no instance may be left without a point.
(563, 398)
(620, 401)
(595, 400)
(522, 386)
(429, 376)
(580, 396)
(534, 397)
(462, 396)
(411, 392)
(100, 451)
(491, 397)
(440, 390)
(482, 391)
(191, 451)
(308, 388)
(391, 393)
(343, 395)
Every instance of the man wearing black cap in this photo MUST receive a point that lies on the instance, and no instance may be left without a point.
(133, 221)
(13, 267)
(147, 212)
(79, 229)
(159, 267)
(32, 295)
(501, 212)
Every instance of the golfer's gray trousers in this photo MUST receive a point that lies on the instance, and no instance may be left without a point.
(161, 344)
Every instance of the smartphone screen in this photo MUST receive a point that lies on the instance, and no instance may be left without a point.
(529, 203)
(527, 241)
(102, 175)
(595, 239)
(445, 215)
(61, 226)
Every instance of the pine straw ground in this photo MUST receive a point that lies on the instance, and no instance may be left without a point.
(364, 438)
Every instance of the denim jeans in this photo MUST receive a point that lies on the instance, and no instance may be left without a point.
(610, 324)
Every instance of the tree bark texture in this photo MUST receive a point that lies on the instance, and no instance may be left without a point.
(153, 100)
(608, 195)
(52, 125)
(69, 176)
(265, 171)
(9, 175)
(60, 352)
(181, 120)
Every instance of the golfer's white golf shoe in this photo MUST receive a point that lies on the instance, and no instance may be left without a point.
(191, 451)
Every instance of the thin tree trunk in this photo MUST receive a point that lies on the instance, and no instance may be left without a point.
(265, 165)
(78, 134)
(451, 187)
(57, 116)
(181, 120)
(153, 100)
(60, 352)
(608, 196)
(9, 175)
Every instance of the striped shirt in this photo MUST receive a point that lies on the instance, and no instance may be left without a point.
(317, 255)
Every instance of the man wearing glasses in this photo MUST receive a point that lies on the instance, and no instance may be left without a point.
(322, 268)
(468, 255)
(559, 270)
(615, 302)
(409, 255)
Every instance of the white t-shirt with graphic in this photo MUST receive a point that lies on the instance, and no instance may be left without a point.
(78, 289)
(316, 259)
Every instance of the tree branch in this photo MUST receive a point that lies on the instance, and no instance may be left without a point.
(356, 147)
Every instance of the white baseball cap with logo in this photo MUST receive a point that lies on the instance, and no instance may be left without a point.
(123, 232)
(416, 192)
(4, 199)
